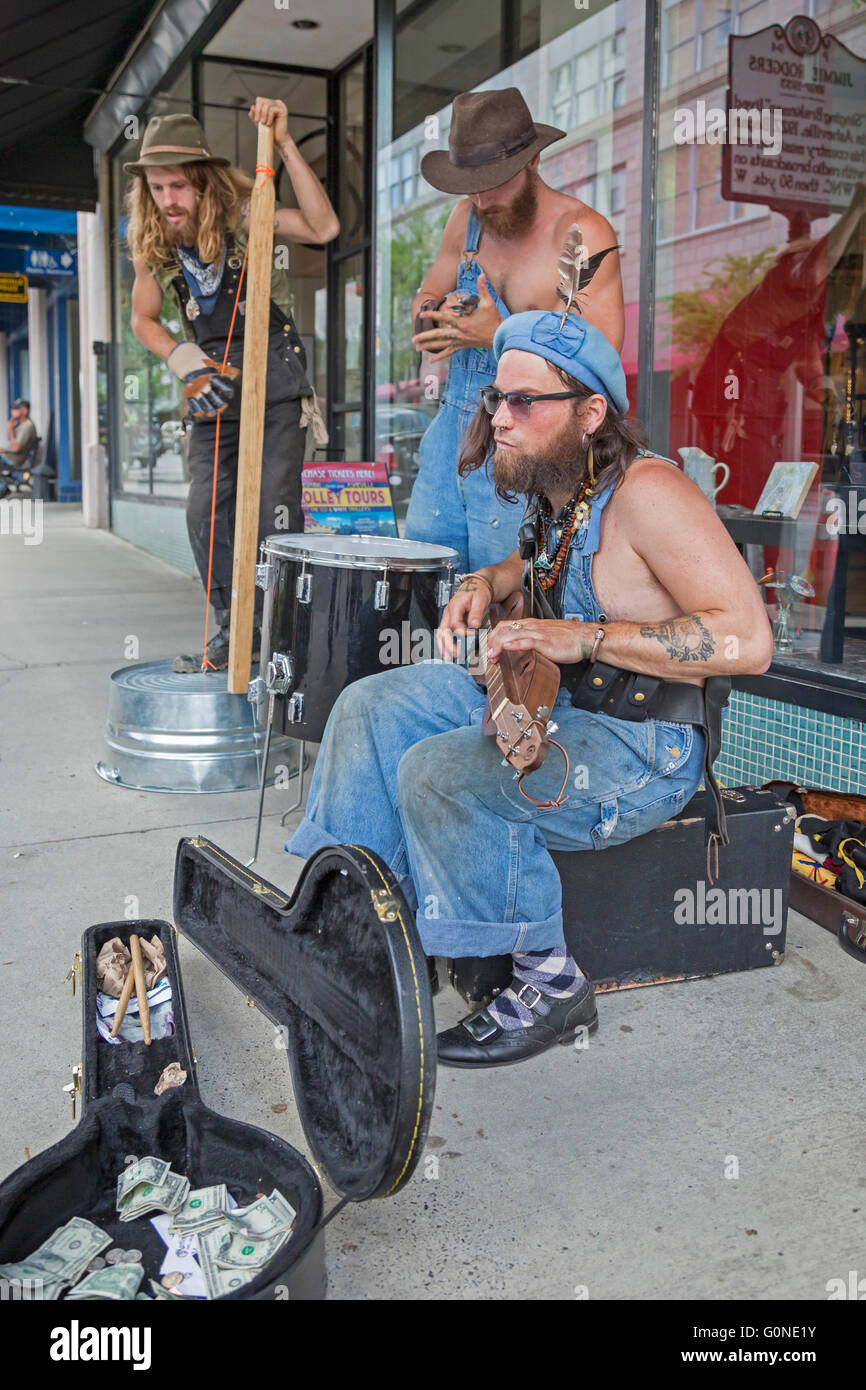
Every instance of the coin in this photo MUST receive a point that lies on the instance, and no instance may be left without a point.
(132, 1257)
(96, 1263)
(172, 1279)
(115, 1256)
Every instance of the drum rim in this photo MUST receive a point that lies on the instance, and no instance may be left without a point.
(335, 560)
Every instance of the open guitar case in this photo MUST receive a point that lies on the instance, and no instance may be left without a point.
(339, 968)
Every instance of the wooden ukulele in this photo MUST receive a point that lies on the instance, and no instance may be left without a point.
(521, 690)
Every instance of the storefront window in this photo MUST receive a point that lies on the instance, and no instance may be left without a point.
(759, 306)
(578, 70)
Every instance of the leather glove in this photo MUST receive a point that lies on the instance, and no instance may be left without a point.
(206, 386)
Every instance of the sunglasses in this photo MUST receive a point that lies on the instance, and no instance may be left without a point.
(519, 402)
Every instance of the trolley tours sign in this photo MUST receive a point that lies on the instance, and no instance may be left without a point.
(348, 498)
(819, 86)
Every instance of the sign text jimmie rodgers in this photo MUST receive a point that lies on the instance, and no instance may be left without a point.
(820, 87)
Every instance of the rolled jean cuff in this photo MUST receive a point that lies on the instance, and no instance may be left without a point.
(307, 839)
(453, 937)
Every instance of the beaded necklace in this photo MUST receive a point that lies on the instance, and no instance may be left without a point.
(547, 567)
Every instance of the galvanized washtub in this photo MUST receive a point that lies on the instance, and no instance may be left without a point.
(172, 732)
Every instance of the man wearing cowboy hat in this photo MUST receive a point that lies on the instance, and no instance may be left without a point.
(636, 591)
(188, 222)
(492, 161)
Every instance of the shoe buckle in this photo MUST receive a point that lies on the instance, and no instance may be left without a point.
(520, 995)
(480, 1026)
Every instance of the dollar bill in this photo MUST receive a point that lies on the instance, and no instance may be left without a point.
(242, 1252)
(147, 1170)
(265, 1217)
(219, 1281)
(115, 1282)
(169, 1195)
(204, 1207)
(60, 1260)
(28, 1282)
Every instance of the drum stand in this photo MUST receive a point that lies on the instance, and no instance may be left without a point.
(277, 681)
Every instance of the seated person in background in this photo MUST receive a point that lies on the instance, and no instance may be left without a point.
(21, 433)
(631, 560)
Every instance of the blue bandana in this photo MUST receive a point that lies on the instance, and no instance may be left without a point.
(578, 347)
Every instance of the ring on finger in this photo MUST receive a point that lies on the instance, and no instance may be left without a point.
(516, 626)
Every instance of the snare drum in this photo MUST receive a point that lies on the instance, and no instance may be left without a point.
(341, 607)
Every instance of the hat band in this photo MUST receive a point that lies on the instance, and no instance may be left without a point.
(466, 156)
(174, 149)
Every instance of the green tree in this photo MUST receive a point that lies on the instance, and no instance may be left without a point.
(697, 315)
(414, 248)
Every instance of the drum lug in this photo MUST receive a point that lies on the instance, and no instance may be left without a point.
(383, 594)
(256, 693)
(295, 708)
(264, 576)
(443, 593)
(279, 674)
(303, 588)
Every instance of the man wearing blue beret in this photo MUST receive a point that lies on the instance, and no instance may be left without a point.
(640, 597)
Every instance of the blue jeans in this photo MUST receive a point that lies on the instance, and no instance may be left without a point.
(405, 769)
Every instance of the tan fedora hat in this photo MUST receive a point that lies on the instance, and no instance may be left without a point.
(492, 137)
(170, 140)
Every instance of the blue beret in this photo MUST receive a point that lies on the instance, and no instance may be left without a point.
(578, 347)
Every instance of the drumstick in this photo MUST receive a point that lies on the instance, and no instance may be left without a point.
(140, 986)
(125, 996)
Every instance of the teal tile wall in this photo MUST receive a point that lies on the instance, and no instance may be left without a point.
(766, 739)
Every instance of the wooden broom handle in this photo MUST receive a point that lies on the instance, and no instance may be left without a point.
(252, 423)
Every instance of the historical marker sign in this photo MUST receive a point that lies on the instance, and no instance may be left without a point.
(820, 87)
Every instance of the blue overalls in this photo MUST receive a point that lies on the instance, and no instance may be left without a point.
(405, 769)
(444, 508)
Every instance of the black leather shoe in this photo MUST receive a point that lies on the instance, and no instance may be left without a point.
(217, 652)
(479, 1041)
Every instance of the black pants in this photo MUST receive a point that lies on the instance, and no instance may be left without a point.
(280, 504)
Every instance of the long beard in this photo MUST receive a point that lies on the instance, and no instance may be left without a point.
(515, 219)
(183, 234)
(561, 468)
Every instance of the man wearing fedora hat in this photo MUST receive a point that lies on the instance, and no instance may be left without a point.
(492, 161)
(188, 220)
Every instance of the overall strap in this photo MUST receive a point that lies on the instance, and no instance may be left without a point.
(473, 232)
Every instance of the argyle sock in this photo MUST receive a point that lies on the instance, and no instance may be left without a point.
(553, 972)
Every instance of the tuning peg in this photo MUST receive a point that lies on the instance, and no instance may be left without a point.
(552, 728)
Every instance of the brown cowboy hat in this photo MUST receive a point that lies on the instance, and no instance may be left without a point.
(492, 137)
(170, 140)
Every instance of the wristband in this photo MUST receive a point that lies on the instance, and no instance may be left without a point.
(599, 638)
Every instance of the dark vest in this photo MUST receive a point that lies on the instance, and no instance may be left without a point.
(287, 360)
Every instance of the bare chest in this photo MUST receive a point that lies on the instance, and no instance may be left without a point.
(523, 276)
(625, 586)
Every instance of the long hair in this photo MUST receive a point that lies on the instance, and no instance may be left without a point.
(221, 189)
(615, 444)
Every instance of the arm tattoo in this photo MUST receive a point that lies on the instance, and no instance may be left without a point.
(684, 639)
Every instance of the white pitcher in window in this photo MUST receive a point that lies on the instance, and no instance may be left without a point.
(702, 470)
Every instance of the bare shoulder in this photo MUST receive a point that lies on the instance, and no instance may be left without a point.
(142, 270)
(454, 235)
(597, 230)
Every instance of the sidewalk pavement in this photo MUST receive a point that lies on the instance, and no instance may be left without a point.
(599, 1173)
